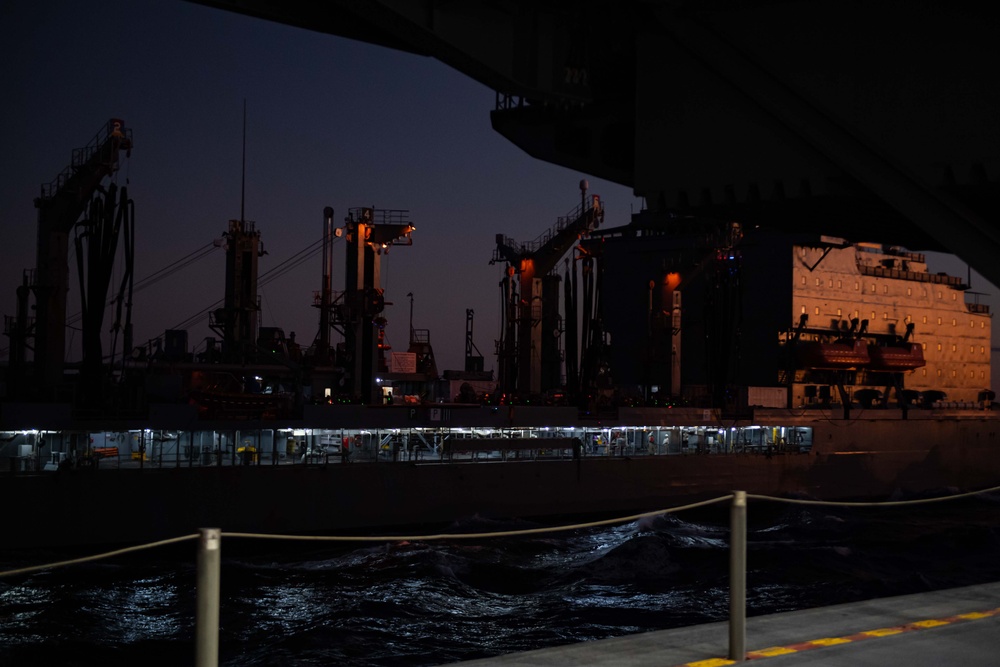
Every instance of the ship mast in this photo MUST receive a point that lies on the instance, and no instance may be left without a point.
(236, 321)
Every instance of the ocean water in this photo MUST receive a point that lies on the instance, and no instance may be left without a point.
(440, 602)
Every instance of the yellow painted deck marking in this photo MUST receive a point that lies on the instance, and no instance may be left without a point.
(882, 632)
(977, 614)
(773, 651)
(833, 641)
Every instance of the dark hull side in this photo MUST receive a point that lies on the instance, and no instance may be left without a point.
(849, 460)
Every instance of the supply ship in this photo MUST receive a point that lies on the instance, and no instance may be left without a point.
(640, 366)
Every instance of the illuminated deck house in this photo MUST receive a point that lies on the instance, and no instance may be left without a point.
(733, 316)
(917, 325)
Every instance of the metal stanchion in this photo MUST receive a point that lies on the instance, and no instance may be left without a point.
(206, 640)
(738, 577)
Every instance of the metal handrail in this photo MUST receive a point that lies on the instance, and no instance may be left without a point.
(562, 222)
(80, 156)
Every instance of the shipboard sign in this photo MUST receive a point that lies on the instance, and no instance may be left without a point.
(403, 362)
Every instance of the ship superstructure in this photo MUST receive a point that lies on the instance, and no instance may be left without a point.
(909, 321)
(709, 313)
(681, 358)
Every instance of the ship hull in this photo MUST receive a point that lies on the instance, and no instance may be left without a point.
(857, 459)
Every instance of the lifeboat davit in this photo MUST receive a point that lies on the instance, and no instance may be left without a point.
(896, 358)
(835, 356)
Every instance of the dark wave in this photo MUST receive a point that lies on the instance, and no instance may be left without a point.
(437, 602)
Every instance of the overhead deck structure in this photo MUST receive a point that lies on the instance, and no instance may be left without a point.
(870, 116)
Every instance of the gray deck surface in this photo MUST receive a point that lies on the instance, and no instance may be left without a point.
(970, 642)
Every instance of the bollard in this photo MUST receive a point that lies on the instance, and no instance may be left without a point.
(738, 577)
(206, 639)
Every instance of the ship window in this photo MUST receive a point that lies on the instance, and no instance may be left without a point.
(840, 284)
(954, 297)
(818, 282)
(923, 346)
(982, 325)
(873, 315)
(831, 283)
(838, 312)
(885, 316)
(972, 374)
(982, 375)
(953, 322)
(954, 348)
(803, 280)
(939, 372)
(803, 309)
(954, 373)
(923, 371)
(971, 324)
(885, 289)
(873, 288)
(939, 295)
(982, 350)
(907, 319)
(909, 291)
(939, 320)
(856, 286)
(817, 310)
(939, 347)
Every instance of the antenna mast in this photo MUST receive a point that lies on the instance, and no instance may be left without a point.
(243, 175)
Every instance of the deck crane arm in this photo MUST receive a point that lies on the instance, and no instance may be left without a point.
(531, 262)
(62, 201)
(60, 205)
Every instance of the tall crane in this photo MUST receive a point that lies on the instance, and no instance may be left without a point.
(529, 350)
(60, 205)
(369, 233)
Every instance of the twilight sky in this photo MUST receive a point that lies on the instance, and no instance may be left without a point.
(330, 122)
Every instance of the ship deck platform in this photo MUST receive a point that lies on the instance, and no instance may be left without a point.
(950, 627)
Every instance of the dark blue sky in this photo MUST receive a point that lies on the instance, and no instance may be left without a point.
(330, 122)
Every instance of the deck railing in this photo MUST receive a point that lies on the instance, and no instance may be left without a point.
(209, 560)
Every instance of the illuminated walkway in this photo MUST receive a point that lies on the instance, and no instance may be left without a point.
(954, 627)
